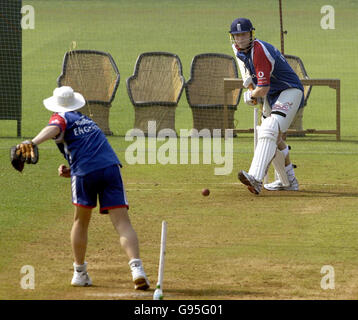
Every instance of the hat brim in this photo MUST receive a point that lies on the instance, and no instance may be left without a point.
(52, 104)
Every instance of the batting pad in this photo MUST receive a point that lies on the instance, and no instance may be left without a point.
(278, 163)
(265, 149)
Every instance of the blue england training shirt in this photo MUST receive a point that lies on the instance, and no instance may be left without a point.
(84, 145)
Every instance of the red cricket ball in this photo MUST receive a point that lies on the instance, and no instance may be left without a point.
(205, 192)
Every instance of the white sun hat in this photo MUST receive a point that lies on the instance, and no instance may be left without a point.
(64, 99)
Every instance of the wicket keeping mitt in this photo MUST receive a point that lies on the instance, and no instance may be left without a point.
(24, 152)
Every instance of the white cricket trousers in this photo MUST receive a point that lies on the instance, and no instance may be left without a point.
(285, 108)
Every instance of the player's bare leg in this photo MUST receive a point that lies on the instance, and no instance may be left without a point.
(129, 242)
(79, 236)
(79, 233)
(127, 235)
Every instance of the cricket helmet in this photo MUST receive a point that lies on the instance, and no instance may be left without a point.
(241, 25)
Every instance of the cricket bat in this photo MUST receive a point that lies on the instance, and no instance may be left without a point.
(244, 76)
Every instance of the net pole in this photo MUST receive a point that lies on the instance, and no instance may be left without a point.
(282, 33)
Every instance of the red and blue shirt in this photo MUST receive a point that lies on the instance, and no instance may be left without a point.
(268, 67)
(84, 145)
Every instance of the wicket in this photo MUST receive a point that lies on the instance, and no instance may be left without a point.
(158, 293)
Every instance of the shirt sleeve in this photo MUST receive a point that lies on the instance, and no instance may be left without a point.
(57, 120)
(262, 65)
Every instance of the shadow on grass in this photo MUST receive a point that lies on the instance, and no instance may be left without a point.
(311, 194)
(217, 293)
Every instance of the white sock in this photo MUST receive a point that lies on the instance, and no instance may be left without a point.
(80, 267)
(290, 171)
(135, 262)
(285, 151)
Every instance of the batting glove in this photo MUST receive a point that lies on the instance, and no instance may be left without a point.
(248, 99)
(247, 82)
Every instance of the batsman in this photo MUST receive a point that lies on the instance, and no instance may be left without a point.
(94, 170)
(269, 77)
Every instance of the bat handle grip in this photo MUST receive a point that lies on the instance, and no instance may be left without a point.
(251, 87)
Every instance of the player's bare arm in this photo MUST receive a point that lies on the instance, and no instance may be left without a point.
(260, 92)
(46, 133)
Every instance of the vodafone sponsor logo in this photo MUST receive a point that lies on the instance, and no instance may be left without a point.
(261, 77)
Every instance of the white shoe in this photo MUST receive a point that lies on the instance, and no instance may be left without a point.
(252, 184)
(138, 275)
(277, 186)
(80, 276)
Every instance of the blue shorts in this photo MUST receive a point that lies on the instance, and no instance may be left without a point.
(106, 183)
